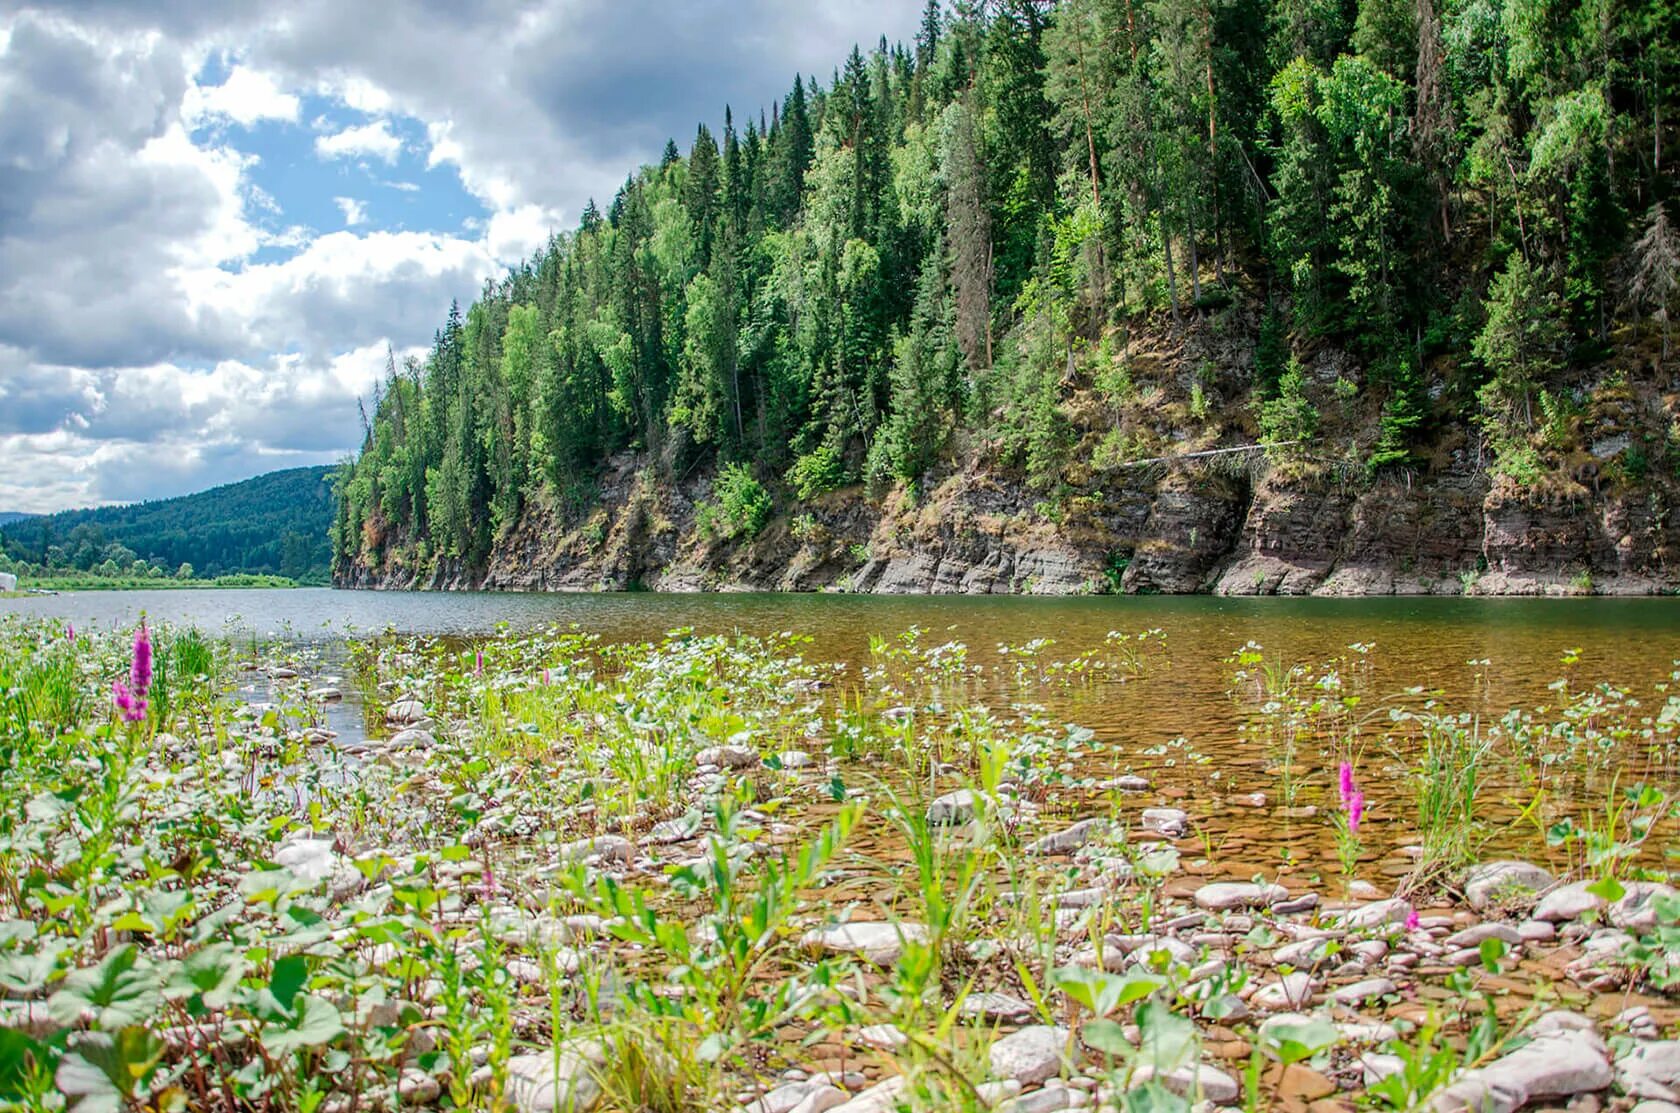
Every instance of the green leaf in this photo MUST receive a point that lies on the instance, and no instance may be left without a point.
(1608, 890)
(24, 1063)
(106, 1069)
(117, 992)
(1107, 1037)
(290, 973)
(1294, 1042)
(1492, 951)
(316, 1023)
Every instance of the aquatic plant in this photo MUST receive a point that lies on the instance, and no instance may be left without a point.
(1346, 822)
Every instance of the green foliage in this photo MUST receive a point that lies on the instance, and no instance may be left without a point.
(275, 524)
(817, 472)
(1288, 418)
(919, 257)
(740, 504)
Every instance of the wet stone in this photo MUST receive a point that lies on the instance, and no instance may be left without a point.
(1071, 838)
(1171, 822)
(1227, 896)
(1493, 882)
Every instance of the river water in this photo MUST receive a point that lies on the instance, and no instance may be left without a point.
(1177, 724)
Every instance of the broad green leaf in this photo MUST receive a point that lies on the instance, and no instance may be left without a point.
(1608, 890)
(118, 992)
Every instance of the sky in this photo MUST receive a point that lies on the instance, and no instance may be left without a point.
(218, 216)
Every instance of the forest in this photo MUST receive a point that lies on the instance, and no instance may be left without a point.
(274, 525)
(943, 253)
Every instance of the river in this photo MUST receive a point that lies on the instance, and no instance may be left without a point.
(1178, 723)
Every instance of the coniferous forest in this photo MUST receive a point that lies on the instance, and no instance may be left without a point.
(1056, 243)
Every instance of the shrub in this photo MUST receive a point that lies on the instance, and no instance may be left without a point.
(743, 505)
(1290, 415)
(816, 473)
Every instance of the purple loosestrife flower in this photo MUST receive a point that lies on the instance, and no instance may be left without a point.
(133, 707)
(478, 662)
(1355, 810)
(1347, 782)
(140, 670)
(1412, 920)
(70, 631)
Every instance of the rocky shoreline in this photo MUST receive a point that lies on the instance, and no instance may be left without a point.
(1180, 530)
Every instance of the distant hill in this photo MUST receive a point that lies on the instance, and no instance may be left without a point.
(9, 516)
(275, 524)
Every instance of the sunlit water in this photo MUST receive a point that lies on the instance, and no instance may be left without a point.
(1186, 694)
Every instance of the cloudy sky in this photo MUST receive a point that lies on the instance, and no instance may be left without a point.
(215, 215)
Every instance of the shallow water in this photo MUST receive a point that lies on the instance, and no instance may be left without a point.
(1186, 693)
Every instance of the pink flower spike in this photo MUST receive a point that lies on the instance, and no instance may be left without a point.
(1355, 810)
(70, 631)
(1412, 920)
(1347, 782)
(140, 672)
(546, 681)
(478, 662)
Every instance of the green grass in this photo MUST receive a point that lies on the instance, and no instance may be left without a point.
(142, 583)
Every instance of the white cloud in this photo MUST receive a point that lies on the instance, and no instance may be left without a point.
(246, 97)
(354, 211)
(144, 348)
(375, 140)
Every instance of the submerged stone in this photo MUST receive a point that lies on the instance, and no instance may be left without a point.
(1507, 880)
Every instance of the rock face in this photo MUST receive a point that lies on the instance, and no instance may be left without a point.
(1177, 528)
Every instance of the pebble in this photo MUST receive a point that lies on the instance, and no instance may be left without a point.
(1228, 896)
(727, 757)
(1030, 1055)
(953, 807)
(880, 943)
(416, 1087)
(1360, 992)
(1377, 914)
(1292, 991)
(1566, 903)
(1212, 1083)
(1651, 1070)
(1171, 822)
(1070, 839)
(1504, 880)
(879, 1098)
(1473, 936)
(996, 1006)
(1637, 910)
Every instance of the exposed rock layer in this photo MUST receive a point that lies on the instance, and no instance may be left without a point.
(1177, 528)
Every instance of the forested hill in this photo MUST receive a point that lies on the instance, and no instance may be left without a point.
(273, 524)
(967, 314)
